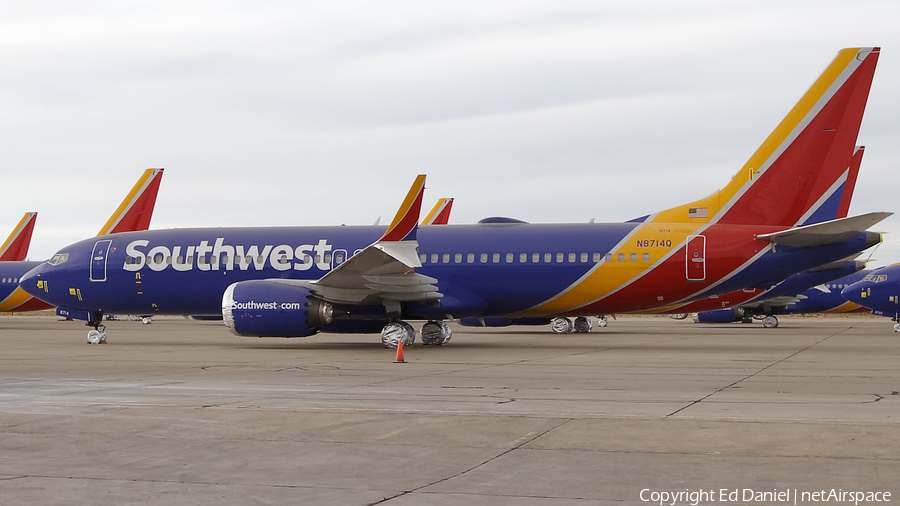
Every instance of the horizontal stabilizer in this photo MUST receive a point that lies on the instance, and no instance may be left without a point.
(828, 232)
(839, 264)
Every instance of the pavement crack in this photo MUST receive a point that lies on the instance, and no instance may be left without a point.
(773, 364)
(517, 444)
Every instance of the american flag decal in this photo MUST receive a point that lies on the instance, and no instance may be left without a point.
(697, 212)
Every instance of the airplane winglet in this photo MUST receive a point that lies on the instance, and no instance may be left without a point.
(406, 222)
(135, 211)
(439, 214)
(15, 248)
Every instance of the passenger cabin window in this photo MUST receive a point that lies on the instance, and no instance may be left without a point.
(496, 257)
(422, 258)
(457, 258)
(446, 258)
(484, 258)
(509, 258)
(620, 257)
(470, 258)
(608, 257)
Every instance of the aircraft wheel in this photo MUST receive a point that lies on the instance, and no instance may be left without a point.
(602, 322)
(583, 324)
(678, 316)
(561, 325)
(102, 337)
(897, 327)
(770, 322)
(435, 333)
(147, 320)
(93, 337)
(393, 332)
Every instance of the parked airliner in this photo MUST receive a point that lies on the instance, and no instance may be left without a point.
(879, 291)
(296, 281)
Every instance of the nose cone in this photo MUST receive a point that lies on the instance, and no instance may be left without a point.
(29, 281)
(855, 293)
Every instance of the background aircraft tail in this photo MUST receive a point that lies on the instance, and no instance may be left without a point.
(135, 211)
(15, 248)
(790, 175)
(439, 214)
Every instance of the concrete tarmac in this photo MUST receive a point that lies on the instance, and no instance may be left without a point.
(182, 412)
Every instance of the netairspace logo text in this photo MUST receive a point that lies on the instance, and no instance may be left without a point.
(774, 496)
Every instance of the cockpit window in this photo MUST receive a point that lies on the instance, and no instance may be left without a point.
(58, 258)
(875, 278)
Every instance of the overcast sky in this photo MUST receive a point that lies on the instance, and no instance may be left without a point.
(322, 113)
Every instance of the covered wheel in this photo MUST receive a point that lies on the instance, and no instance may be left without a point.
(435, 333)
(561, 325)
(393, 332)
(583, 324)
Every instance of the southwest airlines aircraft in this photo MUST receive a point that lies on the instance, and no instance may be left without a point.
(133, 213)
(296, 281)
(879, 291)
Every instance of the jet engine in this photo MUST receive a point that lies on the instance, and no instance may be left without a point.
(733, 314)
(273, 308)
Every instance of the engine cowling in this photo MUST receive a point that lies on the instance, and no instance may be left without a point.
(272, 308)
(728, 315)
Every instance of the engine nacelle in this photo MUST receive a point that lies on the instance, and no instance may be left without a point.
(271, 308)
(729, 315)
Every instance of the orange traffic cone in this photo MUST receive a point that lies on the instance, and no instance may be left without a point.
(399, 359)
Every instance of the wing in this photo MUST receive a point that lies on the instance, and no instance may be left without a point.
(385, 270)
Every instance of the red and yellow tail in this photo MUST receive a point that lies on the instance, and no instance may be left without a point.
(15, 248)
(439, 214)
(135, 211)
(801, 159)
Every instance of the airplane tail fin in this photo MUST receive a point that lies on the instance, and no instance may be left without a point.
(789, 177)
(406, 222)
(15, 248)
(850, 184)
(439, 214)
(135, 211)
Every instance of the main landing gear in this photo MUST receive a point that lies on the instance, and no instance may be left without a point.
(434, 333)
(581, 324)
(98, 335)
